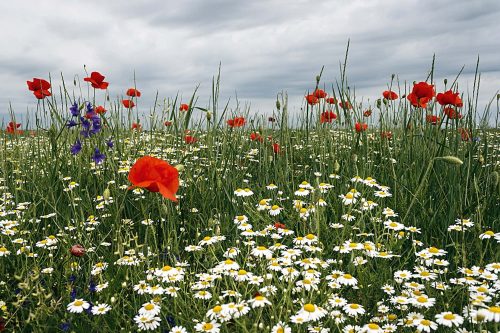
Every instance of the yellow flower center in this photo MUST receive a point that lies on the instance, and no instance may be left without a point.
(217, 309)
(78, 303)
(309, 307)
(303, 210)
(449, 316)
(392, 316)
(347, 276)
(242, 272)
(433, 250)
(349, 195)
(494, 309)
(166, 268)
(354, 306)
(207, 326)
(275, 207)
(263, 202)
(425, 322)
(422, 299)
(489, 233)
(373, 326)
(240, 218)
(149, 307)
(207, 238)
(310, 236)
(228, 262)
(259, 298)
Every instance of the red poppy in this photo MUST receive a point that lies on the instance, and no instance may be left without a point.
(128, 103)
(12, 128)
(100, 110)
(389, 94)
(97, 80)
(168, 123)
(327, 117)
(311, 99)
(465, 134)
(184, 107)
(345, 105)
(236, 122)
(155, 175)
(39, 87)
(319, 93)
(361, 127)
(432, 119)
(190, 139)
(132, 92)
(136, 126)
(367, 113)
(386, 135)
(449, 98)
(276, 148)
(89, 115)
(421, 94)
(452, 113)
(256, 137)
(331, 100)
(279, 225)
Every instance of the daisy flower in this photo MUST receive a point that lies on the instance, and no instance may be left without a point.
(372, 328)
(449, 319)
(78, 305)
(281, 327)
(100, 309)
(259, 301)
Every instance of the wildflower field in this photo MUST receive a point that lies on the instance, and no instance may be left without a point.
(348, 217)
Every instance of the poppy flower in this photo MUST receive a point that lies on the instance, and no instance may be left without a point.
(155, 175)
(136, 126)
(100, 110)
(39, 87)
(367, 113)
(449, 98)
(168, 123)
(12, 128)
(432, 119)
(132, 92)
(276, 148)
(331, 100)
(256, 137)
(190, 139)
(97, 80)
(236, 122)
(389, 94)
(279, 225)
(360, 127)
(465, 134)
(327, 117)
(386, 135)
(421, 94)
(128, 103)
(184, 107)
(452, 113)
(311, 99)
(319, 93)
(345, 105)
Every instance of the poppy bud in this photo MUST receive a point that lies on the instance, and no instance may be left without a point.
(107, 194)
(209, 115)
(481, 159)
(179, 167)
(445, 81)
(336, 167)
(278, 105)
(451, 160)
(77, 250)
(318, 78)
(494, 178)
(354, 157)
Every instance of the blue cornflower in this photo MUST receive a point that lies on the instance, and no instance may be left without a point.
(75, 112)
(110, 143)
(98, 157)
(71, 123)
(72, 295)
(92, 287)
(65, 326)
(76, 148)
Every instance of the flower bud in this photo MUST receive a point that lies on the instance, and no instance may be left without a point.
(77, 250)
(278, 105)
(179, 167)
(107, 194)
(209, 115)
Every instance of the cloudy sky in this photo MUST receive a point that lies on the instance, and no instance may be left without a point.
(264, 46)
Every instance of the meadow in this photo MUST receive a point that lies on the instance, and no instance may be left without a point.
(206, 218)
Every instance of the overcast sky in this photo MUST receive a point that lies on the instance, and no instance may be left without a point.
(264, 46)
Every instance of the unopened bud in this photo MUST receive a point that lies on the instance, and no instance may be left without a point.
(445, 81)
(179, 167)
(278, 105)
(106, 194)
(318, 78)
(209, 115)
(336, 167)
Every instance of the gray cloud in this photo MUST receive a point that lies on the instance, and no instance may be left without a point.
(264, 46)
